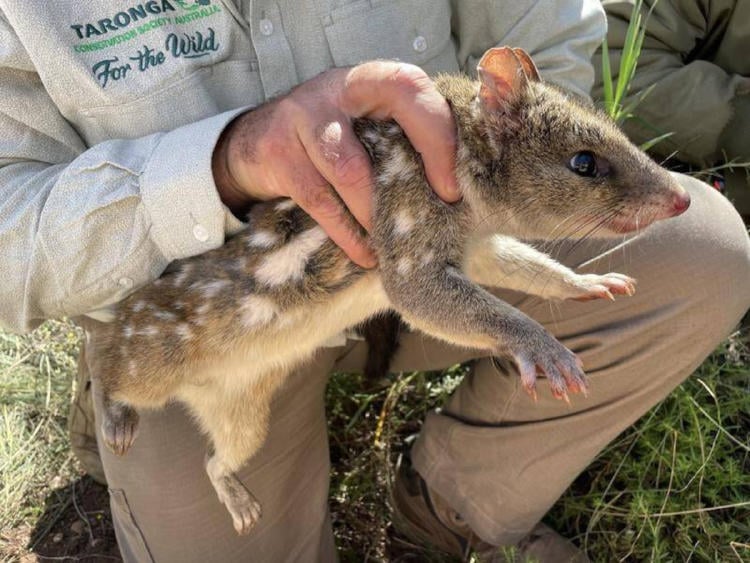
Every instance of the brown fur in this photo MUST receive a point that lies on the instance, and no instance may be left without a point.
(220, 332)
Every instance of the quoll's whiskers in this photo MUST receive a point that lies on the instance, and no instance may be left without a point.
(594, 227)
(579, 222)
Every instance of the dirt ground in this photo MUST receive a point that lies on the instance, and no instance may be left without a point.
(76, 526)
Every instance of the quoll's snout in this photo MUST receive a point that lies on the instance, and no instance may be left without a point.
(671, 199)
(680, 202)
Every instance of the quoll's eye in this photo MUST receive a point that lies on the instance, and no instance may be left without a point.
(584, 164)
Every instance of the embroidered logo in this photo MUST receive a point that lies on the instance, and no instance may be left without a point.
(185, 45)
(137, 20)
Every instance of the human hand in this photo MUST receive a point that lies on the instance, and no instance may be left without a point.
(302, 146)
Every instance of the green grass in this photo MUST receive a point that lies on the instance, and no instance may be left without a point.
(675, 487)
(36, 374)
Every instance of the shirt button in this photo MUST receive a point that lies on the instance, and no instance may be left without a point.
(125, 283)
(200, 233)
(266, 27)
(419, 44)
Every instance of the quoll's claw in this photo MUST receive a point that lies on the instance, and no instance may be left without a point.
(244, 508)
(245, 517)
(562, 369)
(527, 370)
(594, 286)
(119, 428)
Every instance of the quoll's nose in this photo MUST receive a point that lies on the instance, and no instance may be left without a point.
(680, 202)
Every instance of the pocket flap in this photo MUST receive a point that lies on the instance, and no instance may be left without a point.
(411, 31)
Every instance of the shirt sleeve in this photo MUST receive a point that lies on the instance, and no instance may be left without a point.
(560, 35)
(80, 227)
(692, 99)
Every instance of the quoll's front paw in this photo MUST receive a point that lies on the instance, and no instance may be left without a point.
(606, 286)
(541, 353)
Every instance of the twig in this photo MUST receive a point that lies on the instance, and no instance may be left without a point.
(81, 514)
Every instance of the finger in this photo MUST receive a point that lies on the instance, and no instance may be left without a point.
(389, 90)
(306, 186)
(341, 159)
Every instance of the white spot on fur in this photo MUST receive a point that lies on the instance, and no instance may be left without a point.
(183, 275)
(288, 262)
(262, 239)
(165, 316)
(397, 168)
(132, 368)
(427, 258)
(203, 309)
(183, 330)
(257, 311)
(404, 266)
(138, 307)
(403, 223)
(211, 289)
(128, 332)
(285, 205)
(148, 331)
(371, 136)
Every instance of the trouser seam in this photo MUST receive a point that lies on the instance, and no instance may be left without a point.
(432, 462)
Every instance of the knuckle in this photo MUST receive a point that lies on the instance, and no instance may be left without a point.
(352, 170)
(289, 107)
(411, 78)
(270, 148)
(318, 199)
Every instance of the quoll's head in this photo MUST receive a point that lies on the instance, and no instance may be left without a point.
(572, 172)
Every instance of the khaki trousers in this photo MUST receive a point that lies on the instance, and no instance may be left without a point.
(499, 459)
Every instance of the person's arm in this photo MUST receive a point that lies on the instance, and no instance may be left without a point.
(692, 99)
(80, 227)
(560, 35)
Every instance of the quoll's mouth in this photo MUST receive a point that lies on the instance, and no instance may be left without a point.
(673, 204)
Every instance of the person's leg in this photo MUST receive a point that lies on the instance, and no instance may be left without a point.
(499, 459)
(81, 424)
(165, 509)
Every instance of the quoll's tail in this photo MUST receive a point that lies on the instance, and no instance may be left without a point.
(382, 336)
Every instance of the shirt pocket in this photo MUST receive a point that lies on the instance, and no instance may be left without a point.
(411, 31)
(203, 93)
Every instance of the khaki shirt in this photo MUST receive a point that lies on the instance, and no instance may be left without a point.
(110, 110)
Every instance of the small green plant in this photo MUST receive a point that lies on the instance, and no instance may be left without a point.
(615, 91)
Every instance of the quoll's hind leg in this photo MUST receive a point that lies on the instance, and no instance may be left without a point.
(119, 426)
(236, 420)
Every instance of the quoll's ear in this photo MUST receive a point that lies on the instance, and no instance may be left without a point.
(504, 73)
(529, 68)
